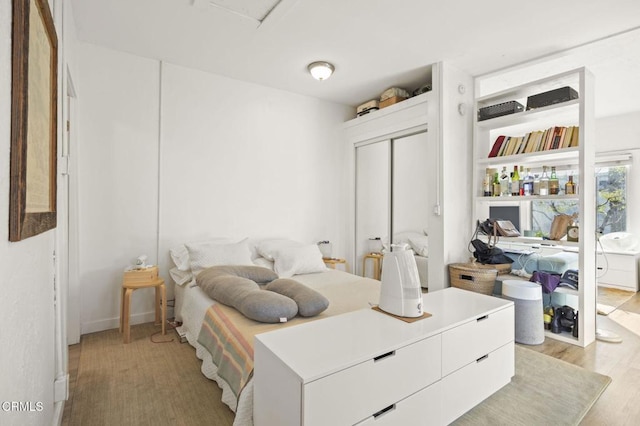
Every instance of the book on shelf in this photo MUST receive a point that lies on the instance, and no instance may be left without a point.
(557, 137)
(496, 146)
(566, 137)
(523, 145)
(575, 140)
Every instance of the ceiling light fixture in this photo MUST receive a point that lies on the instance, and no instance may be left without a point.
(321, 70)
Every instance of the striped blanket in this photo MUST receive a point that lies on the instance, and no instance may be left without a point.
(229, 349)
(228, 335)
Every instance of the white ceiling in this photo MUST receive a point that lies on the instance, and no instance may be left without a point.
(374, 44)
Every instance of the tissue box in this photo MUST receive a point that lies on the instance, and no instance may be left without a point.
(141, 275)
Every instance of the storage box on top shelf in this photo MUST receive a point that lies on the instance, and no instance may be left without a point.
(391, 101)
(392, 96)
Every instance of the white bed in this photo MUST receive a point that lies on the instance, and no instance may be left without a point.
(346, 292)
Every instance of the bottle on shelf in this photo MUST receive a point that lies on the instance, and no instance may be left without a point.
(496, 185)
(544, 182)
(486, 184)
(527, 183)
(504, 182)
(554, 183)
(510, 184)
(536, 184)
(570, 187)
(515, 181)
(521, 181)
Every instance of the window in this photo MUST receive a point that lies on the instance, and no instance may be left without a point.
(611, 200)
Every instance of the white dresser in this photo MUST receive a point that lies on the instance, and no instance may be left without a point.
(618, 270)
(365, 367)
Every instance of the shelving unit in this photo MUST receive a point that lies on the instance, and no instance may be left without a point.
(577, 112)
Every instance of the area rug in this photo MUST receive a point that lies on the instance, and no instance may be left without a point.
(145, 383)
(610, 299)
(544, 391)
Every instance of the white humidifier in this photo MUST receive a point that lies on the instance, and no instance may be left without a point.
(400, 292)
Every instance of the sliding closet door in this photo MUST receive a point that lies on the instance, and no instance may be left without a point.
(411, 182)
(373, 162)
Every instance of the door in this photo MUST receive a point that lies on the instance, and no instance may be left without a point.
(411, 182)
(71, 204)
(373, 199)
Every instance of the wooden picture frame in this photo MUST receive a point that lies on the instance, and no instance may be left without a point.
(34, 122)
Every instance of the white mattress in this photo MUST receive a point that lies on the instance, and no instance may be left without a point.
(191, 306)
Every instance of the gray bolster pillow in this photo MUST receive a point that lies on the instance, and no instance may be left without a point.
(258, 274)
(244, 294)
(310, 302)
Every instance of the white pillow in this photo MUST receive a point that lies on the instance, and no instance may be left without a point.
(420, 244)
(180, 254)
(261, 261)
(290, 261)
(180, 277)
(180, 257)
(268, 248)
(212, 253)
(403, 237)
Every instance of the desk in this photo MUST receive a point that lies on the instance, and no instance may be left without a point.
(377, 264)
(133, 280)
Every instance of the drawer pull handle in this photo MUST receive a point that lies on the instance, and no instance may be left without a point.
(482, 318)
(599, 268)
(383, 356)
(482, 358)
(384, 411)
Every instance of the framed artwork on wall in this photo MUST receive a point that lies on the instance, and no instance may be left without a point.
(32, 203)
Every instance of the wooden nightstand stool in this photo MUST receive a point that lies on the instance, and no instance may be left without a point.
(142, 278)
(377, 264)
(331, 262)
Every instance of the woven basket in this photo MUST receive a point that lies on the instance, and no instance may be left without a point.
(473, 277)
(501, 268)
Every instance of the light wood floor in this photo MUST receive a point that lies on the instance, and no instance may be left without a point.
(620, 403)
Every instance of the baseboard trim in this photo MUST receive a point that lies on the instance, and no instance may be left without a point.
(110, 323)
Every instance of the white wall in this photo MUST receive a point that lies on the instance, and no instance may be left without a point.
(236, 159)
(616, 133)
(451, 228)
(118, 101)
(27, 355)
(621, 133)
(242, 160)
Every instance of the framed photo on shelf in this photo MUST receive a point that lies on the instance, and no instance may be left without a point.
(32, 203)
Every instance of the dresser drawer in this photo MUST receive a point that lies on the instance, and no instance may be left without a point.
(423, 407)
(355, 393)
(620, 262)
(476, 338)
(468, 386)
(621, 279)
